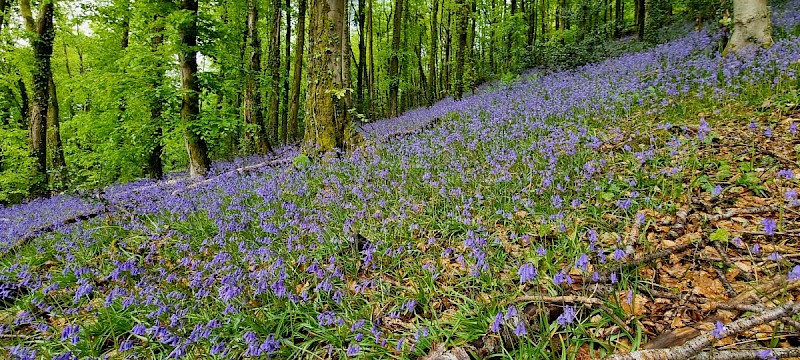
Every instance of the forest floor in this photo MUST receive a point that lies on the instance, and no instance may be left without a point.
(645, 206)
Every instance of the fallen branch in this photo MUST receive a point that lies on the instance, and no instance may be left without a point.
(32, 234)
(751, 210)
(696, 345)
(777, 285)
(604, 277)
(572, 299)
(746, 275)
(778, 353)
(240, 171)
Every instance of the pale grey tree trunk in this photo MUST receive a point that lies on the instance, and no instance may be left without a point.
(751, 25)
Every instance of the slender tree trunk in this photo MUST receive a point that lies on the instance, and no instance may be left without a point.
(531, 25)
(287, 68)
(155, 166)
(43, 34)
(24, 104)
(461, 43)
(432, 96)
(394, 60)
(421, 68)
(619, 18)
(275, 69)
(448, 46)
(57, 165)
(327, 120)
(543, 16)
(199, 162)
(255, 134)
(752, 26)
(640, 18)
(361, 70)
(298, 70)
(371, 79)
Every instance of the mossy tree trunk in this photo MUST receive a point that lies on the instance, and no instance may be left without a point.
(42, 35)
(656, 18)
(275, 71)
(327, 121)
(199, 162)
(752, 26)
(255, 133)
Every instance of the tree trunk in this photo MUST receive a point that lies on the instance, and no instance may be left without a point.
(24, 104)
(531, 26)
(461, 43)
(327, 120)
(394, 60)
(361, 69)
(543, 16)
(155, 166)
(43, 34)
(199, 162)
(275, 68)
(255, 133)
(640, 18)
(656, 18)
(432, 96)
(287, 68)
(752, 25)
(619, 18)
(371, 79)
(57, 165)
(298, 70)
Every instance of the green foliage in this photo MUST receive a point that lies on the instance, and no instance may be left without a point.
(16, 165)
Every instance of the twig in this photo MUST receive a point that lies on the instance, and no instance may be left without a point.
(727, 284)
(792, 322)
(654, 256)
(746, 275)
(779, 157)
(696, 345)
(751, 210)
(561, 299)
(748, 354)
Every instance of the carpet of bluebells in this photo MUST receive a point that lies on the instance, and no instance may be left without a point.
(406, 242)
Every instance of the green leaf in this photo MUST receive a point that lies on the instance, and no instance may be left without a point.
(721, 235)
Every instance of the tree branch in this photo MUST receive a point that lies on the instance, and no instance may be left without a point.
(696, 345)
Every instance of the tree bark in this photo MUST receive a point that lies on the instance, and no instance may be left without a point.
(196, 147)
(298, 70)
(287, 69)
(619, 18)
(752, 26)
(327, 121)
(361, 66)
(155, 166)
(24, 104)
(394, 60)
(640, 18)
(43, 34)
(461, 42)
(275, 69)
(432, 96)
(57, 165)
(371, 79)
(255, 133)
